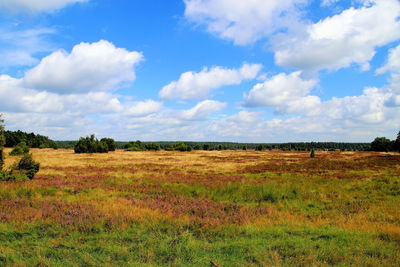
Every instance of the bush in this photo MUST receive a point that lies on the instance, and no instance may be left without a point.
(23, 171)
(92, 145)
(312, 154)
(20, 149)
(110, 143)
(1, 158)
(28, 166)
(397, 143)
(179, 147)
(152, 146)
(135, 146)
(381, 144)
(260, 148)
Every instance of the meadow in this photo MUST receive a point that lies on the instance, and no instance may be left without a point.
(203, 208)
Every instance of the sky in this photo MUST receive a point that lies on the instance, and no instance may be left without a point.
(201, 70)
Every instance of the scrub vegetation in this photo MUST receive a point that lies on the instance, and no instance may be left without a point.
(232, 208)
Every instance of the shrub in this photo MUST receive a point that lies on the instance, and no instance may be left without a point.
(260, 148)
(381, 144)
(179, 147)
(135, 146)
(1, 158)
(110, 143)
(23, 171)
(28, 166)
(91, 145)
(20, 149)
(152, 146)
(312, 154)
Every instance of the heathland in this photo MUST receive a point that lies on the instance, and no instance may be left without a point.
(227, 208)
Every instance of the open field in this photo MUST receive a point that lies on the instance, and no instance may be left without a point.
(235, 208)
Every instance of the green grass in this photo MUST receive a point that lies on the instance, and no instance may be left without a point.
(181, 245)
(233, 208)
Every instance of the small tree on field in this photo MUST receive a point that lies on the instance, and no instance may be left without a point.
(110, 143)
(2, 142)
(260, 148)
(397, 143)
(381, 144)
(20, 149)
(152, 146)
(312, 154)
(92, 145)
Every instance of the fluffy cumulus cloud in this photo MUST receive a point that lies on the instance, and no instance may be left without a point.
(144, 108)
(393, 62)
(243, 22)
(352, 119)
(89, 67)
(194, 85)
(338, 41)
(393, 66)
(279, 90)
(290, 94)
(45, 100)
(35, 6)
(202, 110)
(23, 99)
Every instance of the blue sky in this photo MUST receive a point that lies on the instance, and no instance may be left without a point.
(215, 70)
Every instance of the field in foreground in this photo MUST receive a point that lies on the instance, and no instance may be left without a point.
(235, 208)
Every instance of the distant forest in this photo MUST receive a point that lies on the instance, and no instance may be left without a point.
(379, 144)
(300, 146)
(13, 138)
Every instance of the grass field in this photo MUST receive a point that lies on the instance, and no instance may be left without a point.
(234, 208)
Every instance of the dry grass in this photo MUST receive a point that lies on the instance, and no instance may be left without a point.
(355, 192)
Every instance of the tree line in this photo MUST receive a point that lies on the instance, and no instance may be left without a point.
(13, 138)
(91, 145)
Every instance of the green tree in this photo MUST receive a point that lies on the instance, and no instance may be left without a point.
(91, 145)
(110, 143)
(381, 144)
(397, 143)
(260, 148)
(20, 149)
(2, 143)
(312, 154)
(152, 146)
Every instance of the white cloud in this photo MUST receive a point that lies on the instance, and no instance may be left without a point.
(368, 108)
(18, 48)
(393, 66)
(393, 62)
(89, 67)
(36, 6)
(329, 2)
(348, 119)
(338, 41)
(202, 110)
(24, 99)
(279, 90)
(144, 108)
(243, 22)
(193, 85)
